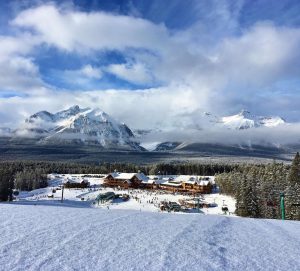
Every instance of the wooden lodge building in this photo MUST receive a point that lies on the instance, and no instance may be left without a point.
(76, 183)
(185, 183)
(181, 183)
(125, 180)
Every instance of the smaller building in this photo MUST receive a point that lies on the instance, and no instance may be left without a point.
(76, 183)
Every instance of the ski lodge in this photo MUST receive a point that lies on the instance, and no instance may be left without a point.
(181, 183)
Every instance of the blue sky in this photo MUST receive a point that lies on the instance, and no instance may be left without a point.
(141, 60)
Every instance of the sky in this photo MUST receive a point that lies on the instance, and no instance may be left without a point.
(150, 62)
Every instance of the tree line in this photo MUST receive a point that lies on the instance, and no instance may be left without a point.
(257, 189)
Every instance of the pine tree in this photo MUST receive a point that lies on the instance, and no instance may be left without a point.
(294, 176)
(292, 198)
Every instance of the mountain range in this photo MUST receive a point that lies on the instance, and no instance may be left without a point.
(86, 126)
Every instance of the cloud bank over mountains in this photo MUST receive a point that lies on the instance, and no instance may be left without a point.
(147, 70)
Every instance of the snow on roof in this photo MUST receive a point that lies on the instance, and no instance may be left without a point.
(167, 180)
(142, 176)
(124, 176)
(204, 183)
(171, 184)
(149, 181)
(186, 179)
(127, 176)
(74, 180)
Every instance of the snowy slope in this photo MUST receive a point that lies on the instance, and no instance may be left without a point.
(64, 238)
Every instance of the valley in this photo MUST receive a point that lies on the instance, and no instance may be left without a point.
(27, 149)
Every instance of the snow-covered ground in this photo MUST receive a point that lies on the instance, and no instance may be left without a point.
(35, 237)
(141, 200)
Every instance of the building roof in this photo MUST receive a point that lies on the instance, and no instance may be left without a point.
(175, 181)
(186, 179)
(204, 183)
(149, 181)
(127, 176)
(74, 180)
(171, 184)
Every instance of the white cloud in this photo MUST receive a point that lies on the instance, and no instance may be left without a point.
(139, 109)
(19, 46)
(132, 72)
(74, 30)
(19, 74)
(261, 54)
(91, 72)
(84, 77)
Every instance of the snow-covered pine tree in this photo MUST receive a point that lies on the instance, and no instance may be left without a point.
(253, 195)
(292, 193)
(242, 196)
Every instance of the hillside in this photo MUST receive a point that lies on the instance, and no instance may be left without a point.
(65, 238)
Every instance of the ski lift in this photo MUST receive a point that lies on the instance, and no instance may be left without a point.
(224, 207)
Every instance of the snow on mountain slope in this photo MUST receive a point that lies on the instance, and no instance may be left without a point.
(271, 121)
(244, 120)
(84, 126)
(65, 238)
(92, 126)
(207, 122)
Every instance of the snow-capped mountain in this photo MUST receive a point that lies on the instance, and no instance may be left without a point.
(245, 120)
(79, 126)
(206, 121)
(198, 120)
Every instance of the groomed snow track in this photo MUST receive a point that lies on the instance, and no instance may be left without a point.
(66, 238)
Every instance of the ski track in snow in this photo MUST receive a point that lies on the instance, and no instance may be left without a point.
(167, 254)
(59, 246)
(206, 250)
(66, 238)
